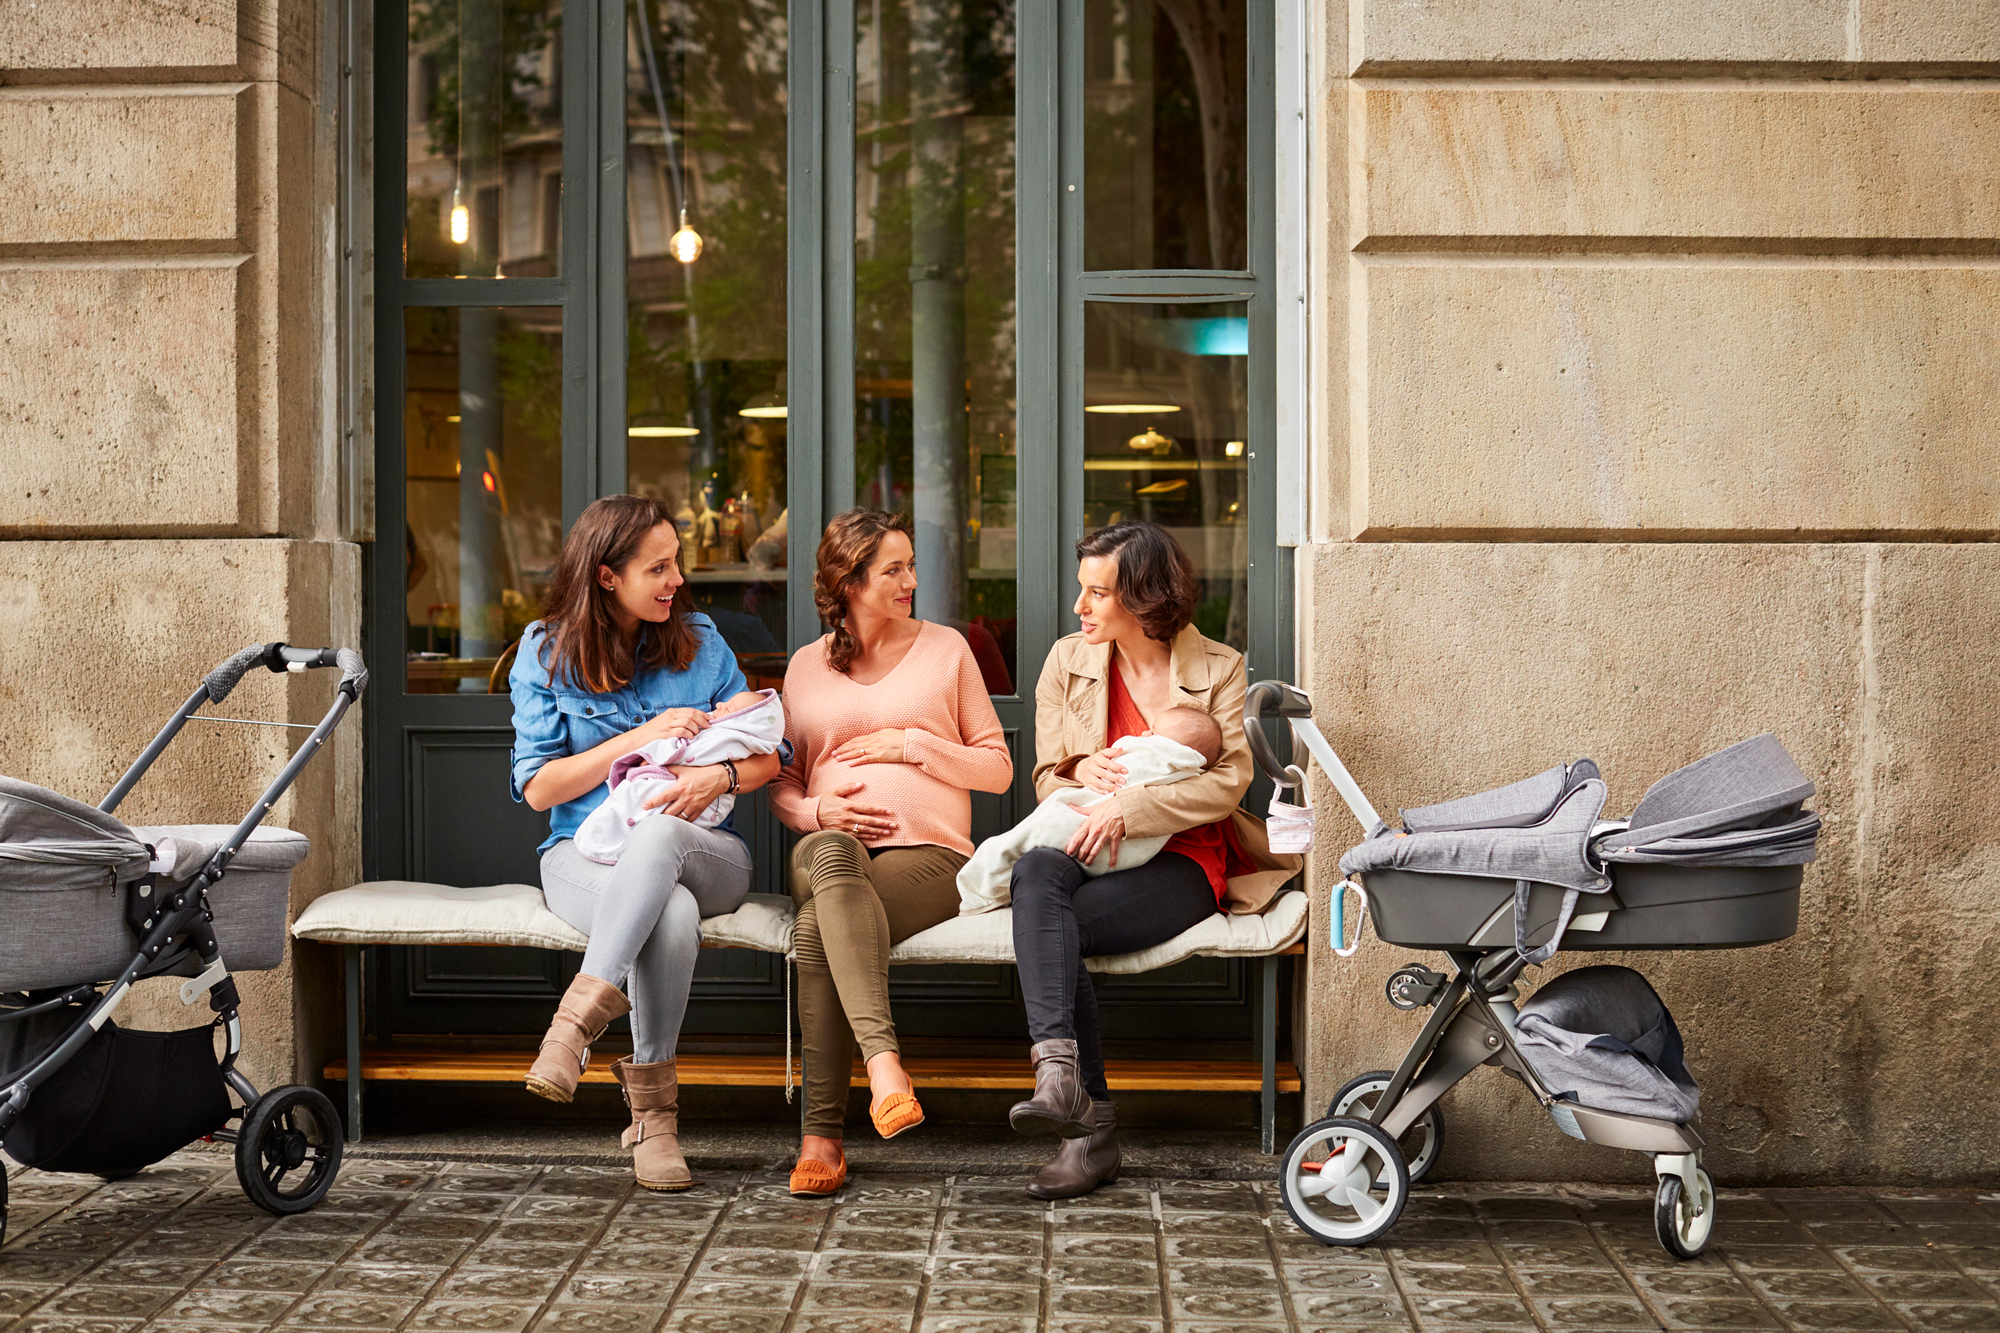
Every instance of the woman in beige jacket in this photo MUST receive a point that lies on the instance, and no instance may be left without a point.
(1138, 655)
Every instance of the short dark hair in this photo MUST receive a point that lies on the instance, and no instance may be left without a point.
(1156, 580)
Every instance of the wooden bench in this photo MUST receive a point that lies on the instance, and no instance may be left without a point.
(403, 912)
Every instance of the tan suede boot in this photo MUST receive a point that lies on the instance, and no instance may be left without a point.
(653, 1092)
(587, 1008)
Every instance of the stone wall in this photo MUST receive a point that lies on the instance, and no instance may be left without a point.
(164, 459)
(1655, 401)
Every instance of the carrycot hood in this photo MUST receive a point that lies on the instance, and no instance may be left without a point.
(1744, 802)
(48, 841)
(1552, 851)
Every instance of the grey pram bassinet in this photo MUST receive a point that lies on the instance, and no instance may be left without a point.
(1711, 858)
(67, 867)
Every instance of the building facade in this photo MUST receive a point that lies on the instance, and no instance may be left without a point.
(1527, 382)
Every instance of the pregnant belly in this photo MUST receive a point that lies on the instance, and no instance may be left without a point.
(927, 809)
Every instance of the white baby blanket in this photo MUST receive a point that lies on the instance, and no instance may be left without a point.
(985, 882)
(643, 773)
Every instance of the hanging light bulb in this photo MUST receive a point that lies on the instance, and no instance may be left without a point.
(685, 244)
(461, 221)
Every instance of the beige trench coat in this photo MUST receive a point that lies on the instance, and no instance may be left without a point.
(1071, 704)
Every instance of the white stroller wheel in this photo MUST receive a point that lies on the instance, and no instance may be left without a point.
(1329, 1182)
(1420, 1143)
(1683, 1225)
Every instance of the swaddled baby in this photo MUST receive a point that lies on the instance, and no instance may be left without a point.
(647, 771)
(1181, 744)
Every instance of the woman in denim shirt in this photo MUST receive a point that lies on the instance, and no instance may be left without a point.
(621, 659)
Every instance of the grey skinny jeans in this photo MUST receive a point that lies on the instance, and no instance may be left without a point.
(643, 916)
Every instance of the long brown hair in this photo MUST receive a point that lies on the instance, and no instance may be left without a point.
(845, 553)
(586, 647)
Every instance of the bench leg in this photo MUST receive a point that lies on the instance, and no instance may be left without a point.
(353, 960)
(1267, 1048)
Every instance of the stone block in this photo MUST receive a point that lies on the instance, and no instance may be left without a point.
(118, 164)
(106, 638)
(1591, 396)
(1928, 30)
(1461, 666)
(257, 39)
(120, 395)
(1430, 33)
(1813, 163)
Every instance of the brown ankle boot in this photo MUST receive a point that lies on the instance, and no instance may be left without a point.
(1060, 1105)
(653, 1092)
(1081, 1165)
(587, 1008)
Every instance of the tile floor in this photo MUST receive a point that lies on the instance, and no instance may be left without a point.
(507, 1248)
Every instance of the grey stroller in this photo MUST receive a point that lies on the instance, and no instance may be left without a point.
(1711, 858)
(88, 906)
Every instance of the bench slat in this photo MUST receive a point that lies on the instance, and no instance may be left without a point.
(768, 1071)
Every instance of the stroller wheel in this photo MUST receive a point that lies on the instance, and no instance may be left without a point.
(288, 1150)
(1684, 1225)
(1420, 1143)
(1343, 1182)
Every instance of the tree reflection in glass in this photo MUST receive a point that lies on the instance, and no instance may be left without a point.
(934, 302)
(484, 153)
(705, 370)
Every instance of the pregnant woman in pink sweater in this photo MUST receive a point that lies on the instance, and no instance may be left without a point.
(892, 732)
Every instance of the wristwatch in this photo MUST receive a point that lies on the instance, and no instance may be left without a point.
(730, 764)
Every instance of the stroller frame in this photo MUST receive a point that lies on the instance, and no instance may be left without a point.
(170, 930)
(1471, 1023)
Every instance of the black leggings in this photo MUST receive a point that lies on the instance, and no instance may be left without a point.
(1062, 917)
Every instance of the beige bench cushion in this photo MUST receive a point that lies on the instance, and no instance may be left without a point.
(396, 911)
(403, 912)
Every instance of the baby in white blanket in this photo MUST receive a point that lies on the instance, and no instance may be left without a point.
(1183, 743)
(646, 772)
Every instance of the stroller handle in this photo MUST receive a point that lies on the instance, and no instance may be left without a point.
(1295, 706)
(284, 657)
(215, 687)
(1279, 700)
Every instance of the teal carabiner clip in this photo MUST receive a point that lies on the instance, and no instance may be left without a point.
(1339, 916)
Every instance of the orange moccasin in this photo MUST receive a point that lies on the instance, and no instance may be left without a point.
(899, 1111)
(811, 1180)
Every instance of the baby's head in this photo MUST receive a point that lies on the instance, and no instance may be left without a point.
(1193, 728)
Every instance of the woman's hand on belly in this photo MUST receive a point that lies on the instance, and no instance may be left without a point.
(838, 810)
(876, 747)
(1103, 827)
(694, 790)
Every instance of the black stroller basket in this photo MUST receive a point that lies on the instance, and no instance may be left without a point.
(1712, 857)
(89, 906)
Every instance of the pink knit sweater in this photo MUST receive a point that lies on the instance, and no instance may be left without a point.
(954, 745)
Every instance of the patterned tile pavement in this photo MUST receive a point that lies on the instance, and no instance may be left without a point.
(507, 1248)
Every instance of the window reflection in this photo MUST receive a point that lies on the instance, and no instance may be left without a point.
(484, 154)
(482, 426)
(705, 375)
(934, 303)
(1166, 418)
(1165, 139)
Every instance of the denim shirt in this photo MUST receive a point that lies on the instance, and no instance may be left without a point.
(556, 719)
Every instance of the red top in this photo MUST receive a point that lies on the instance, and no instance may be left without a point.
(1207, 845)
